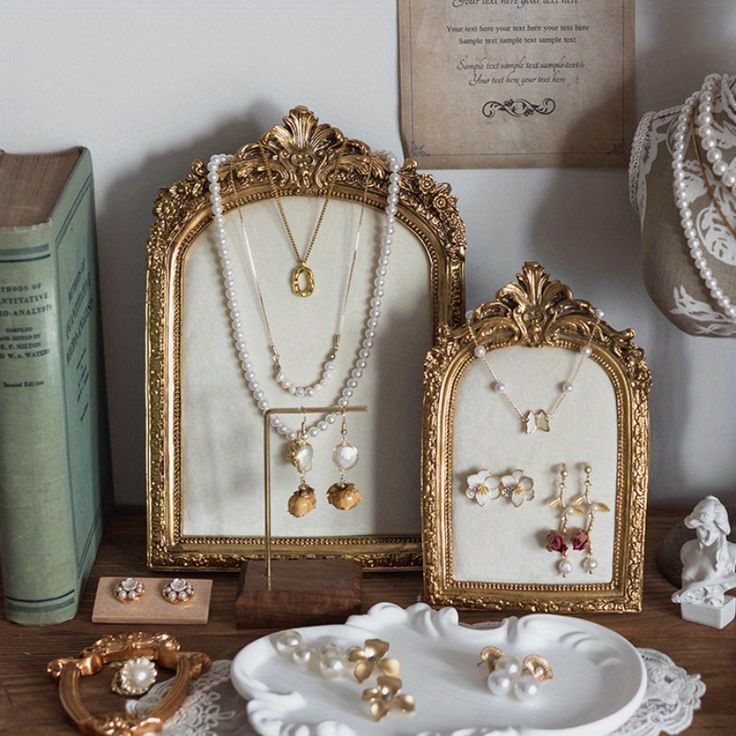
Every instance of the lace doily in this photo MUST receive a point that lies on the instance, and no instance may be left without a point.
(214, 708)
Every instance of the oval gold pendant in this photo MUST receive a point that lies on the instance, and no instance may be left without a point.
(302, 272)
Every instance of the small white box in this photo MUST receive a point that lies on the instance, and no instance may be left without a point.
(717, 617)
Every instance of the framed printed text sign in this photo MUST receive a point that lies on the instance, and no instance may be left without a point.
(506, 83)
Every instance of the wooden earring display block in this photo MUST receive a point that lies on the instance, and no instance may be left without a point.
(151, 608)
(303, 593)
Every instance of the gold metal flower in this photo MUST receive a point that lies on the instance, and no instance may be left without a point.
(386, 697)
(343, 496)
(302, 501)
(372, 656)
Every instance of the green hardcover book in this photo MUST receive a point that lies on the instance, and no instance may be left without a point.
(54, 459)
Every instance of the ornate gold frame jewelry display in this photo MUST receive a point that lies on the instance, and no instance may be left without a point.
(305, 160)
(532, 321)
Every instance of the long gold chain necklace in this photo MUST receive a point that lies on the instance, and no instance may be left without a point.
(301, 272)
(328, 366)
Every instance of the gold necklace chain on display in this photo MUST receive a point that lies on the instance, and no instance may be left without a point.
(301, 270)
(348, 283)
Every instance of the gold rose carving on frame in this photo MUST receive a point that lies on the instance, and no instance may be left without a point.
(536, 311)
(304, 157)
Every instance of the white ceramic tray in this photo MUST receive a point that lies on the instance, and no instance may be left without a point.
(599, 678)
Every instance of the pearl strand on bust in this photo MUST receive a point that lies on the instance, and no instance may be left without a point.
(686, 215)
(371, 324)
(708, 141)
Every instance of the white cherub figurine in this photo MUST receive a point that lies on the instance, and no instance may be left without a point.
(709, 567)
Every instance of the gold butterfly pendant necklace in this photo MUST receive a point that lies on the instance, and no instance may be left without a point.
(535, 419)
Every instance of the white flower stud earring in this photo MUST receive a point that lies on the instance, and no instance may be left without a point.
(129, 589)
(515, 487)
(178, 590)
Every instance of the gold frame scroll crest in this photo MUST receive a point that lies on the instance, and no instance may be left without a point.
(536, 311)
(303, 156)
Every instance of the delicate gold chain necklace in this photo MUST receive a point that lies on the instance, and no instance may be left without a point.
(539, 419)
(301, 270)
(328, 367)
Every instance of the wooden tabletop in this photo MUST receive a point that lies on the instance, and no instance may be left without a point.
(28, 699)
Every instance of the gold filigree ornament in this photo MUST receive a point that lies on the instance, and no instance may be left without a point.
(373, 656)
(160, 648)
(386, 696)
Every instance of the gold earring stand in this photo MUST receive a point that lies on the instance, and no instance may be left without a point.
(278, 593)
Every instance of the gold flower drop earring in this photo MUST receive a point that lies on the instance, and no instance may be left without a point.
(581, 537)
(342, 495)
(303, 500)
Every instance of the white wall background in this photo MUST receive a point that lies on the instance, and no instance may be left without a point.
(150, 86)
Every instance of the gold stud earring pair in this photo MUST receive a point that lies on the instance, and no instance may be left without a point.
(342, 495)
(507, 674)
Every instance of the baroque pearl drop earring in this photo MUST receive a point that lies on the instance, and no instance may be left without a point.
(344, 496)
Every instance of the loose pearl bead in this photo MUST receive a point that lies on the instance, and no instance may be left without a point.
(479, 351)
(288, 641)
(331, 666)
(303, 655)
(499, 683)
(510, 665)
(526, 688)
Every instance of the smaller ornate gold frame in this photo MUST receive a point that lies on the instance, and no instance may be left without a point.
(162, 648)
(535, 312)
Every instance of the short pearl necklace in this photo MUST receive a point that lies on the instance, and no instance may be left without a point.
(680, 187)
(371, 325)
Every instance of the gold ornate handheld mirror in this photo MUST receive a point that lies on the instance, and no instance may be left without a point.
(204, 437)
(518, 460)
(114, 648)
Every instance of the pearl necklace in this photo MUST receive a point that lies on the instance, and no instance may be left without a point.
(540, 419)
(708, 141)
(371, 324)
(680, 188)
(328, 366)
